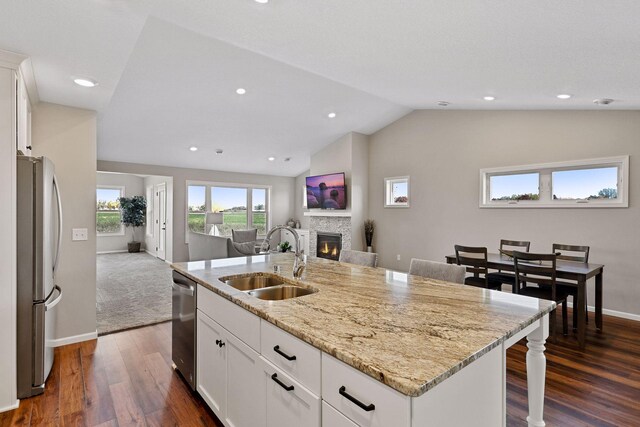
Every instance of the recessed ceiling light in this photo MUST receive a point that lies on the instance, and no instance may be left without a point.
(489, 98)
(241, 91)
(443, 103)
(331, 115)
(271, 159)
(564, 96)
(262, 1)
(193, 148)
(85, 82)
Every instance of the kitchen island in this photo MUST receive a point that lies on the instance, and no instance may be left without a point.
(368, 347)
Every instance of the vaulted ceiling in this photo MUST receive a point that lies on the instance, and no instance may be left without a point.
(168, 70)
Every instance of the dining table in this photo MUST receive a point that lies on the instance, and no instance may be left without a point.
(573, 274)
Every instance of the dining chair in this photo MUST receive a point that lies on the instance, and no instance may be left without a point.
(366, 259)
(475, 260)
(506, 248)
(437, 270)
(540, 269)
(576, 253)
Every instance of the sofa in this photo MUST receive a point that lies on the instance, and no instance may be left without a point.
(205, 246)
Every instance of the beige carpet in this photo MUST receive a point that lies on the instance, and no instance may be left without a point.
(132, 290)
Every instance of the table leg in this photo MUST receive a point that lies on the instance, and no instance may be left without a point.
(599, 301)
(582, 324)
(536, 372)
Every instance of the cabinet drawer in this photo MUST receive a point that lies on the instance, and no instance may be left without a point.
(233, 318)
(387, 407)
(279, 346)
(288, 403)
(333, 418)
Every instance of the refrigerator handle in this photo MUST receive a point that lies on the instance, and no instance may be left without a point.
(59, 200)
(48, 306)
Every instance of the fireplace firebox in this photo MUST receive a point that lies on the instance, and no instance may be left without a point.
(329, 245)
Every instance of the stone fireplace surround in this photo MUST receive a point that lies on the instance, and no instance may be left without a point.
(329, 224)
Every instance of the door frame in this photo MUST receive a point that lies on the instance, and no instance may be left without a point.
(160, 220)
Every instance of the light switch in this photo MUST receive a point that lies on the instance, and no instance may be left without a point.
(79, 234)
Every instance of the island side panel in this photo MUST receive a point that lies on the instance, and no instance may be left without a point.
(473, 396)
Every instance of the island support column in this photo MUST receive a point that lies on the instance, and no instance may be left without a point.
(536, 370)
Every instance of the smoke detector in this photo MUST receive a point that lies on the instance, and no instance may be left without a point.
(219, 151)
(603, 101)
(443, 103)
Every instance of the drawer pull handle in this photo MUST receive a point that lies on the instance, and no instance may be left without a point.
(220, 343)
(369, 407)
(283, 354)
(281, 384)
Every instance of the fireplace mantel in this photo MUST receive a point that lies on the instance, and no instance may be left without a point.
(328, 213)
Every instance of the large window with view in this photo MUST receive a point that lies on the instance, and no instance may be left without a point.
(582, 183)
(108, 216)
(219, 208)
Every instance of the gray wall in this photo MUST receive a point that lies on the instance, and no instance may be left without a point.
(282, 193)
(349, 154)
(443, 151)
(133, 186)
(68, 137)
(300, 195)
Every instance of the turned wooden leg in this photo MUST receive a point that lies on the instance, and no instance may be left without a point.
(536, 370)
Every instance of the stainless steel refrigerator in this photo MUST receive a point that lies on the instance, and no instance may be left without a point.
(39, 226)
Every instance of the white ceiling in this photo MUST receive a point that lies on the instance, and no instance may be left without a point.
(168, 69)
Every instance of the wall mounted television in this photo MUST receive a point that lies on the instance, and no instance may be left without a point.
(327, 191)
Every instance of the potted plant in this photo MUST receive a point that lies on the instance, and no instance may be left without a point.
(369, 227)
(133, 211)
(284, 246)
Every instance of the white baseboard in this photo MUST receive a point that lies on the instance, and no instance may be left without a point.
(75, 339)
(111, 252)
(10, 407)
(150, 253)
(613, 313)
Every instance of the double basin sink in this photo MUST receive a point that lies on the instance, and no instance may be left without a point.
(270, 288)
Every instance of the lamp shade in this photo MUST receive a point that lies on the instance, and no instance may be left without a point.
(214, 218)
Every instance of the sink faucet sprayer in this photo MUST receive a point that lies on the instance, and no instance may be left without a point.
(298, 260)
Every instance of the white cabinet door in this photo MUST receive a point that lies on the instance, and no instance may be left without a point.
(288, 404)
(245, 386)
(332, 418)
(23, 110)
(211, 363)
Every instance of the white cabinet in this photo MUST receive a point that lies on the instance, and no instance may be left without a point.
(211, 363)
(332, 418)
(367, 402)
(229, 375)
(287, 236)
(23, 117)
(245, 390)
(288, 403)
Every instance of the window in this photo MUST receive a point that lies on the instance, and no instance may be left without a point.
(241, 207)
(196, 208)
(582, 183)
(523, 186)
(108, 211)
(259, 209)
(232, 202)
(396, 192)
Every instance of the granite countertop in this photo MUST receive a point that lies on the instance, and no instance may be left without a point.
(406, 331)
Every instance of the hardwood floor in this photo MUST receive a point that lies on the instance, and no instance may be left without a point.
(125, 379)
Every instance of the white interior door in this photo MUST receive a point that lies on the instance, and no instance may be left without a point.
(161, 221)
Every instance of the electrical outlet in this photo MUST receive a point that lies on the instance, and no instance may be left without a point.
(398, 257)
(78, 234)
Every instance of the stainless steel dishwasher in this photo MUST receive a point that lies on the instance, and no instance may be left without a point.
(183, 327)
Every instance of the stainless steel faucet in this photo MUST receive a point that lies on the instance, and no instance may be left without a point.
(298, 260)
